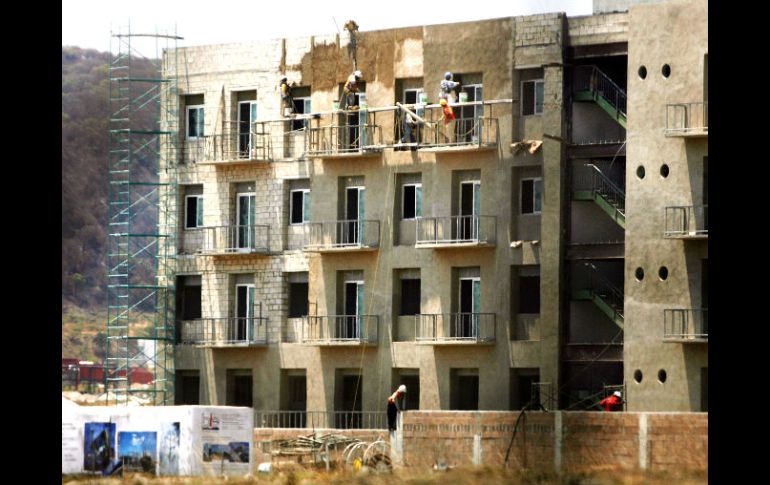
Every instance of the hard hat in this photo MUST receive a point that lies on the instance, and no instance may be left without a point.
(357, 74)
(617, 393)
(402, 388)
(447, 75)
(284, 78)
(442, 102)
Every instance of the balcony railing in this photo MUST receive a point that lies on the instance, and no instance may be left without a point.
(340, 329)
(455, 327)
(321, 419)
(230, 331)
(343, 139)
(342, 235)
(686, 325)
(472, 129)
(687, 221)
(220, 240)
(687, 119)
(456, 230)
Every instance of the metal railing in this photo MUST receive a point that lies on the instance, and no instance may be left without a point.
(225, 331)
(686, 221)
(351, 234)
(686, 324)
(593, 179)
(605, 289)
(470, 129)
(686, 118)
(455, 327)
(456, 230)
(343, 139)
(593, 80)
(321, 419)
(328, 329)
(232, 239)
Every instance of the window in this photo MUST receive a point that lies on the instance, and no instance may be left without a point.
(531, 196)
(412, 96)
(412, 201)
(187, 387)
(532, 97)
(463, 389)
(301, 107)
(194, 212)
(529, 294)
(298, 305)
(300, 206)
(239, 387)
(195, 121)
(410, 297)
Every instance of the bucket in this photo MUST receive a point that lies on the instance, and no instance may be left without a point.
(463, 97)
(362, 100)
(423, 98)
(336, 105)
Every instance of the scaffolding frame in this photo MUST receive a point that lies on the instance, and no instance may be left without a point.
(143, 124)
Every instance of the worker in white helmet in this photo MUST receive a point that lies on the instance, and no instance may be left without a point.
(349, 90)
(612, 403)
(395, 404)
(447, 88)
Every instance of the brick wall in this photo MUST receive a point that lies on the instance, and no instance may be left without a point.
(570, 440)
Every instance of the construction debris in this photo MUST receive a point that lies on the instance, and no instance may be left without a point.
(532, 146)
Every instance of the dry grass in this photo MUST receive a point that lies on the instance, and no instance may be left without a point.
(459, 476)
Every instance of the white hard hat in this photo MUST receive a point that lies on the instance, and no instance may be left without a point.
(402, 388)
(358, 74)
(447, 75)
(617, 393)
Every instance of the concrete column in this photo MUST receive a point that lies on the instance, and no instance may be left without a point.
(557, 434)
(643, 450)
(477, 449)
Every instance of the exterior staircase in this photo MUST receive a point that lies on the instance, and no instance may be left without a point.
(605, 295)
(591, 84)
(598, 188)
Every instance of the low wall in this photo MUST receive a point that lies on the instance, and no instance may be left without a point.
(556, 440)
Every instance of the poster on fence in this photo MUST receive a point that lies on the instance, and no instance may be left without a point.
(162, 440)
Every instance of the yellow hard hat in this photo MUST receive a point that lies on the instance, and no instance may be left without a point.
(442, 102)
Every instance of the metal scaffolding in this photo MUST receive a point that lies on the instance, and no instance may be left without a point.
(143, 125)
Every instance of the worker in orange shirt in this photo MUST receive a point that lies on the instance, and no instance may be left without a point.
(613, 402)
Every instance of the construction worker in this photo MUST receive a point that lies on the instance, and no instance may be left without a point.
(409, 124)
(613, 402)
(349, 90)
(447, 88)
(287, 102)
(393, 406)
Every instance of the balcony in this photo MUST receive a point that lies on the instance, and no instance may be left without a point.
(227, 240)
(686, 222)
(686, 325)
(687, 119)
(455, 328)
(344, 140)
(456, 232)
(321, 419)
(225, 332)
(467, 131)
(348, 235)
(340, 330)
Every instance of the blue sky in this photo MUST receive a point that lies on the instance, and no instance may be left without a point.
(87, 23)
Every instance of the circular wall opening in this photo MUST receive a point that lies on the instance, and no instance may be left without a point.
(666, 70)
(664, 171)
(663, 273)
(640, 171)
(662, 376)
(639, 273)
(638, 376)
(642, 72)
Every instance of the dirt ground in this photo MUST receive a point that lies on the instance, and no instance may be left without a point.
(460, 476)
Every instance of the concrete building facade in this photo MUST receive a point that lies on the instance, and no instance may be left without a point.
(490, 261)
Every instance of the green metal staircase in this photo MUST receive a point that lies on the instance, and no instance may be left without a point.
(593, 85)
(605, 295)
(598, 188)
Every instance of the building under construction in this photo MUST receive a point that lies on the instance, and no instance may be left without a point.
(548, 245)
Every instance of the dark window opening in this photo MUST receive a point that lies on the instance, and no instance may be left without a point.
(464, 392)
(191, 302)
(187, 388)
(532, 94)
(529, 294)
(412, 383)
(410, 297)
(298, 206)
(410, 207)
(298, 303)
(239, 388)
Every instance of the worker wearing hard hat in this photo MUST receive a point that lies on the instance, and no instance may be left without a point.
(613, 402)
(349, 90)
(395, 404)
(287, 102)
(447, 88)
